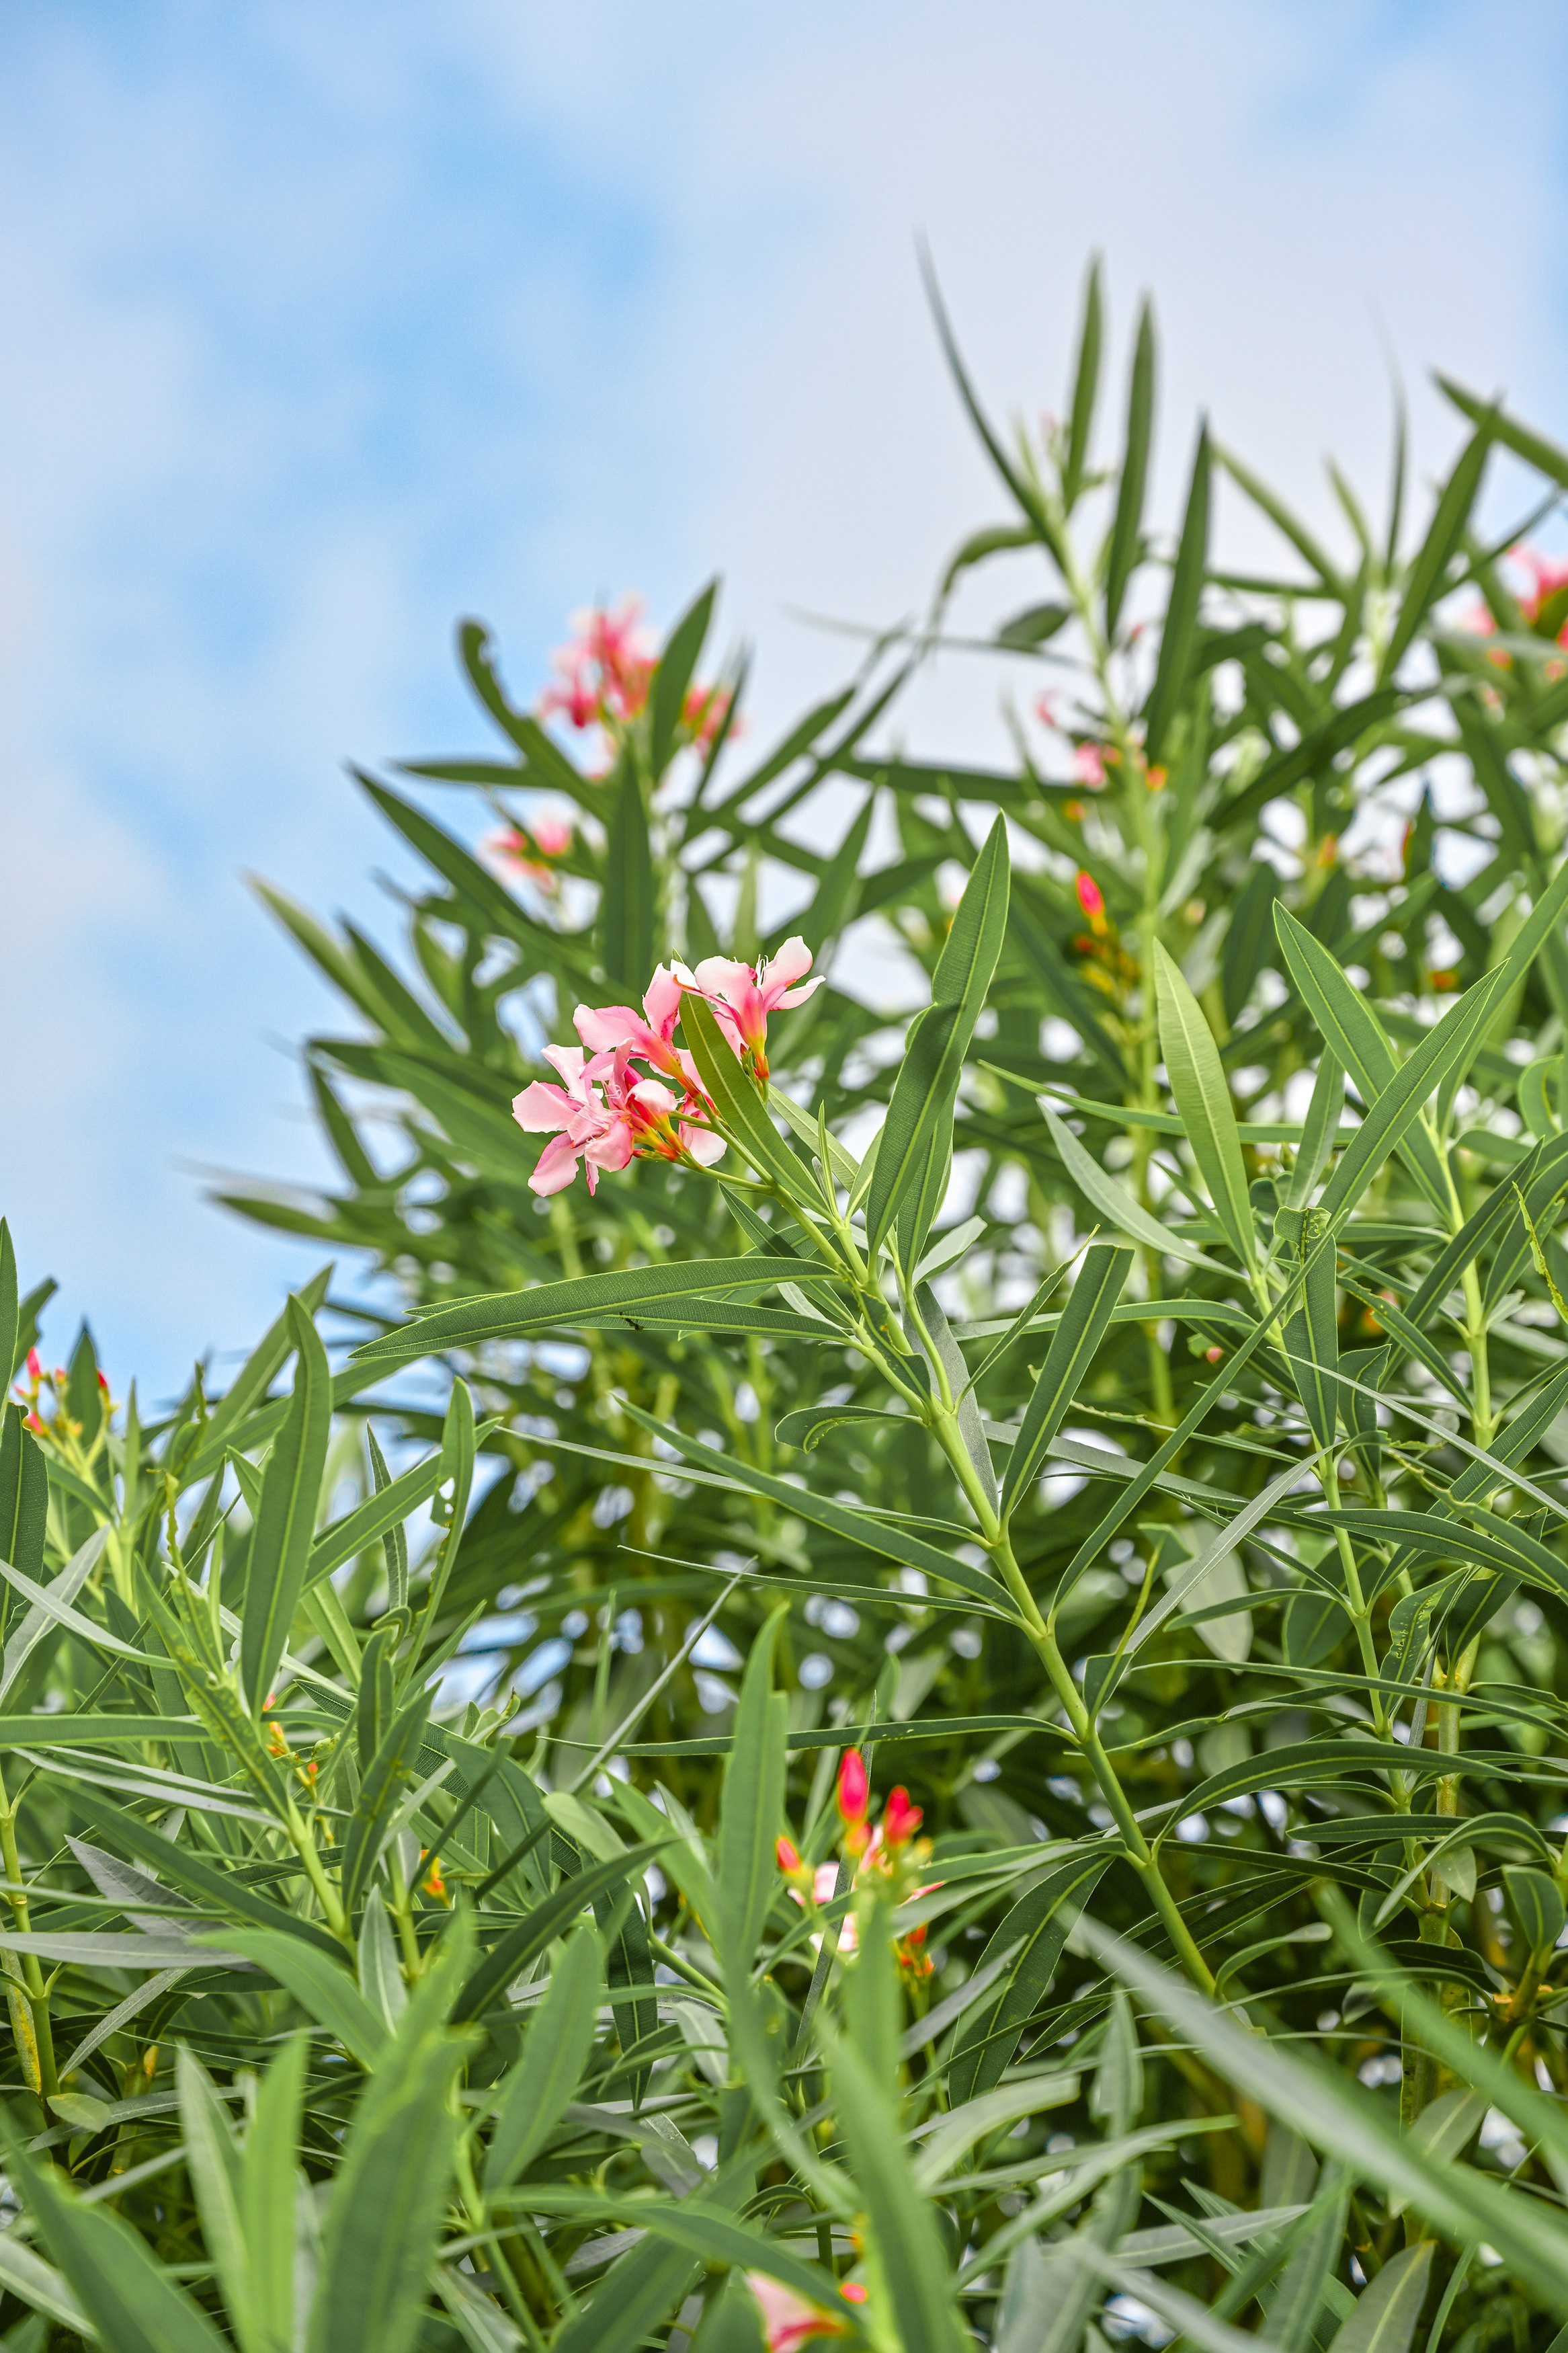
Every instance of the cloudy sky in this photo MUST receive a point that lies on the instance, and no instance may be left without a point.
(328, 322)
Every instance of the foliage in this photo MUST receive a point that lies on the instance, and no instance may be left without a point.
(1127, 1412)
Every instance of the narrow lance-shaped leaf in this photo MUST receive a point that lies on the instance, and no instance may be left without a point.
(286, 1519)
(1126, 532)
(627, 911)
(910, 1174)
(1086, 387)
(1202, 1094)
(560, 2037)
(1068, 1360)
(677, 663)
(1180, 631)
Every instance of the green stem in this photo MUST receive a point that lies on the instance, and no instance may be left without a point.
(42, 2053)
(1139, 1851)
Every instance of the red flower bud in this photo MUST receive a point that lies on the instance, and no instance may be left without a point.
(854, 1789)
(901, 1820)
(789, 1860)
(34, 1367)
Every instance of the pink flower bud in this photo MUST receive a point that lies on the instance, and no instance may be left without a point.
(854, 1790)
(1091, 899)
(34, 1365)
(789, 1860)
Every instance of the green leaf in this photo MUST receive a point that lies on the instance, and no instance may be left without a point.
(904, 2246)
(741, 1105)
(1341, 2119)
(582, 1300)
(382, 1515)
(11, 1353)
(910, 1174)
(1387, 2310)
(286, 1520)
(212, 2157)
(1068, 1359)
(1448, 1046)
(1424, 581)
(628, 907)
(678, 660)
(1034, 1930)
(533, 2096)
(1292, 2312)
(539, 1928)
(1179, 635)
(388, 2199)
(857, 1528)
(1127, 531)
(1202, 1096)
(322, 1987)
(1085, 390)
(381, 1791)
(1547, 457)
(751, 1807)
(1114, 1200)
(223, 1890)
(130, 2304)
(270, 2183)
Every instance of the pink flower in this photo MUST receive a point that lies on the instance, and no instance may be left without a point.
(854, 1789)
(609, 1028)
(743, 995)
(788, 2320)
(586, 1126)
(1089, 765)
(605, 1115)
(535, 850)
(605, 668)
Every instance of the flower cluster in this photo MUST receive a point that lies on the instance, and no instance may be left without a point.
(888, 1854)
(606, 1111)
(790, 2321)
(536, 850)
(59, 1424)
(604, 672)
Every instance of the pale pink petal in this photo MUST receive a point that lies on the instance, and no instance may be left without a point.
(662, 1003)
(722, 974)
(603, 1028)
(542, 1106)
(788, 2320)
(568, 1060)
(612, 1150)
(793, 960)
(704, 1146)
(650, 1096)
(782, 1003)
(556, 1165)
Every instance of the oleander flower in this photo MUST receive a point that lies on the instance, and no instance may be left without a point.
(743, 995)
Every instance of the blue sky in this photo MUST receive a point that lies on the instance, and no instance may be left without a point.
(326, 323)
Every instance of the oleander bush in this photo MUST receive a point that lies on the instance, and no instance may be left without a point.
(906, 1684)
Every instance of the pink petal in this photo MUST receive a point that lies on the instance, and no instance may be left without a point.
(612, 1150)
(604, 1027)
(655, 1100)
(542, 1106)
(568, 1060)
(556, 1166)
(794, 995)
(792, 961)
(662, 1003)
(722, 975)
(704, 1146)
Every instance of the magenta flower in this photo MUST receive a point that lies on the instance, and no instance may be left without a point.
(743, 995)
(603, 671)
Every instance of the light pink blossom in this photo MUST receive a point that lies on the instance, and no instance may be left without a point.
(649, 1035)
(1089, 765)
(605, 668)
(743, 995)
(788, 2320)
(603, 1115)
